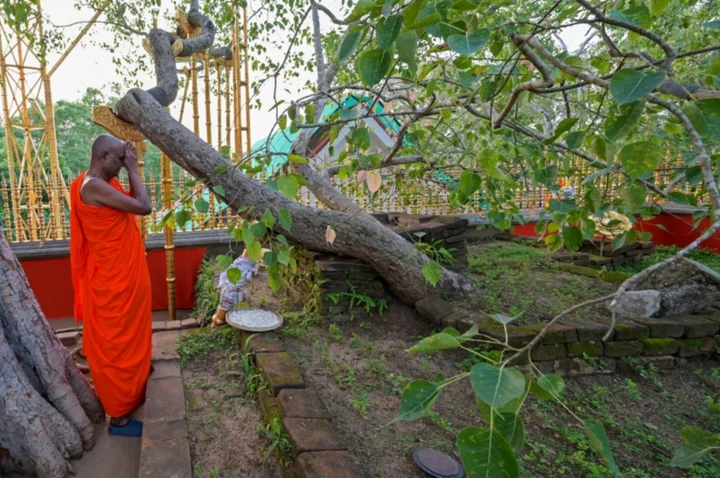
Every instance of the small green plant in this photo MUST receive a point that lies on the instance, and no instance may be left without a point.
(359, 300)
(435, 251)
(632, 389)
(279, 442)
(207, 295)
(361, 403)
(335, 332)
(204, 341)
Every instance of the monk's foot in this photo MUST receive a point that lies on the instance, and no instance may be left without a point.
(130, 428)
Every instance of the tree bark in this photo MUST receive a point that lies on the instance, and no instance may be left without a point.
(359, 234)
(47, 407)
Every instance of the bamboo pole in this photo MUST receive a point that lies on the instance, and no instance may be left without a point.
(208, 110)
(247, 80)
(141, 147)
(27, 162)
(167, 186)
(6, 208)
(237, 118)
(228, 142)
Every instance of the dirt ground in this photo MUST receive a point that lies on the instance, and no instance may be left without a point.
(224, 422)
(361, 369)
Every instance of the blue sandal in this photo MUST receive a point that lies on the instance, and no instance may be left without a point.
(132, 428)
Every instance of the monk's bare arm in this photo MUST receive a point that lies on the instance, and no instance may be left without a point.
(99, 193)
(137, 188)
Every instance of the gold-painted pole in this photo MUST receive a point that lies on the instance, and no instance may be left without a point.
(6, 207)
(196, 109)
(228, 142)
(141, 147)
(208, 109)
(219, 104)
(27, 162)
(51, 138)
(184, 97)
(237, 118)
(247, 79)
(9, 143)
(167, 191)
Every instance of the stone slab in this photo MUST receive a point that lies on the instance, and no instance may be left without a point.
(327, 464)
(163, 431)
(166, 459)
(165, 369)
(280, 371)
(165, 400)
(666, 327)
(549, 352)
(159, 326)
(592, 349)
(268, 405)
(627, 329)
(308, 434)
(164, 345)
(697, 326)
(301, 404)
(587, 330)
(628, 348)
(261, 343)
(69, 338)
(189, 323)
(174, 324)
(697, 347)
(660, 346)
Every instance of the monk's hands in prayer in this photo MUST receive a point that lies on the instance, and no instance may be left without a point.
(131, 159)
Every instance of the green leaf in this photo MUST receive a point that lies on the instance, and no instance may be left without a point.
(573, 238)
(694, 175)
(288, 186)
(619, 241)
(360, 137)
(282, 122)
(496, 386)
(435, 343)
(628, 85)
(432, 273)
(595, 432)
(362, 7)
(224, 261)
(349, 44)
(620, 126)
(504, 319)
(634, 197)
(219, 190)
(297, 159)
(427, 18)
(373, 65)
(182, 217)
(645, 236)
(564, 126)
(705, 115)
(696, 444)
(469, 182)
(657, 7)
(411, 12)
(388, 30)
(469, 43)
(247, 236)
(595, 175)
(639, 159)
(268, 219)
(274, 283)
(254, 250)
(270, 258)
(406, 45)
(233, 275)
(486, 454)
(258, 229)
(548, 387)
(511, 428)
(554, 242)
(284, 255)
(416, 399)
(575, 139)
(202, 206)
(547, 176)
(285, 219)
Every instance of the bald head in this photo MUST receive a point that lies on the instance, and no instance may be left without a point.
(106, 144)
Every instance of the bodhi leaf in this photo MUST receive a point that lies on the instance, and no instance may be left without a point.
(595, 432)
(705, 115)
(634, 197)
(573, 238)
(564, 126)
(469, 43)
(406, 45)
(629, 85)
(416, 399)
(233, 275)
(373, 65)
(496, 386)
(435, 343)
(639, 159)
(548, 386)
(254, 251)
(285, 219)
(202, 206)
(388, 30)
(511, 428)
(432, 273)
(469, 182)
(486, 454)
(349, 44)
(619, 126)
(696, 444)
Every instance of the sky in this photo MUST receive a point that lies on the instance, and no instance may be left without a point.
(90, 66)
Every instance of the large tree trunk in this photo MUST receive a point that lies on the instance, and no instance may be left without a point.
(47, 407)
(359, 234)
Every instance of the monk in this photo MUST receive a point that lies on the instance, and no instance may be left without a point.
(111, 280)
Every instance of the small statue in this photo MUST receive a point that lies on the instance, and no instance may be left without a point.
(233, 294)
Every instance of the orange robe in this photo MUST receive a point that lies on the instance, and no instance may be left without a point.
(112, 296)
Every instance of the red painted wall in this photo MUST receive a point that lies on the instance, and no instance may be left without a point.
(680, 231)
(50, 281)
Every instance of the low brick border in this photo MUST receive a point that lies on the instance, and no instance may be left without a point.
(165, 449)
(317, 449)
(665, 341)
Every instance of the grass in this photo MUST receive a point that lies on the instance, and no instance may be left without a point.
(710, 259)
(202, 342)
(207, 295)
